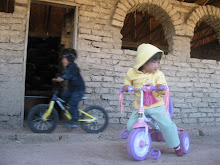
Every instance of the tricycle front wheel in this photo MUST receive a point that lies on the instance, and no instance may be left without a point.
(138, 144)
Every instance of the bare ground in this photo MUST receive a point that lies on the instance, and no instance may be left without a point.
(205, 150)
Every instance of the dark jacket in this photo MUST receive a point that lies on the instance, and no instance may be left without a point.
(72, 74)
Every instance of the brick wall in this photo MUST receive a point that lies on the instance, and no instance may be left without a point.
(12, 38)
(66, 31)
(194, 89)
(194, 83)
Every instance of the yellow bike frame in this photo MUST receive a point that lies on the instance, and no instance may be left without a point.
(51, 106)
(48, 111)
(88, 120)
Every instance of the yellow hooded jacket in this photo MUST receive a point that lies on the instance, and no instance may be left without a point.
(136, 78)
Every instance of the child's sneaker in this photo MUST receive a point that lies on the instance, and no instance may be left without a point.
(179, 150)
(71, 125)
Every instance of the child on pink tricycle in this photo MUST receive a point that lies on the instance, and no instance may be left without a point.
(153, 116)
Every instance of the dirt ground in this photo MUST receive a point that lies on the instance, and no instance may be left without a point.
(205, 150)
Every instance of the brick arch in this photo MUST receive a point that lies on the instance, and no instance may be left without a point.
(208, 14)
(163, 12)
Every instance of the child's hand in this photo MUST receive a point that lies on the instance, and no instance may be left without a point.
(58, 79)
(158, 86)
(125, 88)
(54, 79)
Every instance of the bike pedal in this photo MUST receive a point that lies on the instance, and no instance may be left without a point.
(124, 134)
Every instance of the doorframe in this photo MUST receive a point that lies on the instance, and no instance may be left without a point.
(56, 3)
(74, 40)
(75, 28)
(25, 60)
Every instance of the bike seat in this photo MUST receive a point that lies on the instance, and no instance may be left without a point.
(84, 98)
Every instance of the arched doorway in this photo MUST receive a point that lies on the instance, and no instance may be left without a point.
(165, 20)
(203, 25)
(141, 27)
(205, 43)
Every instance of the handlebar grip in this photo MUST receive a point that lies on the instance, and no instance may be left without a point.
(154, 88)
(130, 89)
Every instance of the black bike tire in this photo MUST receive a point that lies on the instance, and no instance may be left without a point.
(37, 108)
(84, 126)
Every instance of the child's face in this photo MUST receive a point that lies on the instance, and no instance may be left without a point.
(65, 62)
(151, 66)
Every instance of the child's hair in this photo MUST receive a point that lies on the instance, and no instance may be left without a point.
(70, 54)
(155, 57)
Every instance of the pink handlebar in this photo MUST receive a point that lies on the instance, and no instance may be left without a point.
(121, 90)
(154, 88)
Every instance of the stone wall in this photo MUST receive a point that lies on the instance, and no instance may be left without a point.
(66, 31)
(194, 86)
(194, 83)
(12, 39)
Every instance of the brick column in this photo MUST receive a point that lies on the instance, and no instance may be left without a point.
(179, 46)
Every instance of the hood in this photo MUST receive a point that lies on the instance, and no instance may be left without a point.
(144, 53)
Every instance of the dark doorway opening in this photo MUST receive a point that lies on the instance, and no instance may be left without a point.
(50, 30)
(205, 43)
(7, 6)
(141, 27)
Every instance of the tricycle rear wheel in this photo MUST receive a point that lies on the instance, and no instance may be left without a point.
(185, 141)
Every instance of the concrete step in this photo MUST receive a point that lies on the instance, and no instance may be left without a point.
(24, 135)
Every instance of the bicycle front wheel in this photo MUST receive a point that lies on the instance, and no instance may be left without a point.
(98, 125)
(35, 122)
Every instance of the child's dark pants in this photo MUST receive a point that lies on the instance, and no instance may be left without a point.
(73, 99)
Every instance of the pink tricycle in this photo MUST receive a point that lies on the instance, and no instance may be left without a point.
(147, 130)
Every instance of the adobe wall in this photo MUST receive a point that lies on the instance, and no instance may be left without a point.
(194, 83)
(12, 45)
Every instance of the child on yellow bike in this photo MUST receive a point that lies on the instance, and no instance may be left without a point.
(76, 85)
(146, 70)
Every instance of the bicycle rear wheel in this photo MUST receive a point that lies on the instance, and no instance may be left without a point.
(35, 122)
(100, 124)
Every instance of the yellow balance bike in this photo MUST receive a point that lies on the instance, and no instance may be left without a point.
(44, 118)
